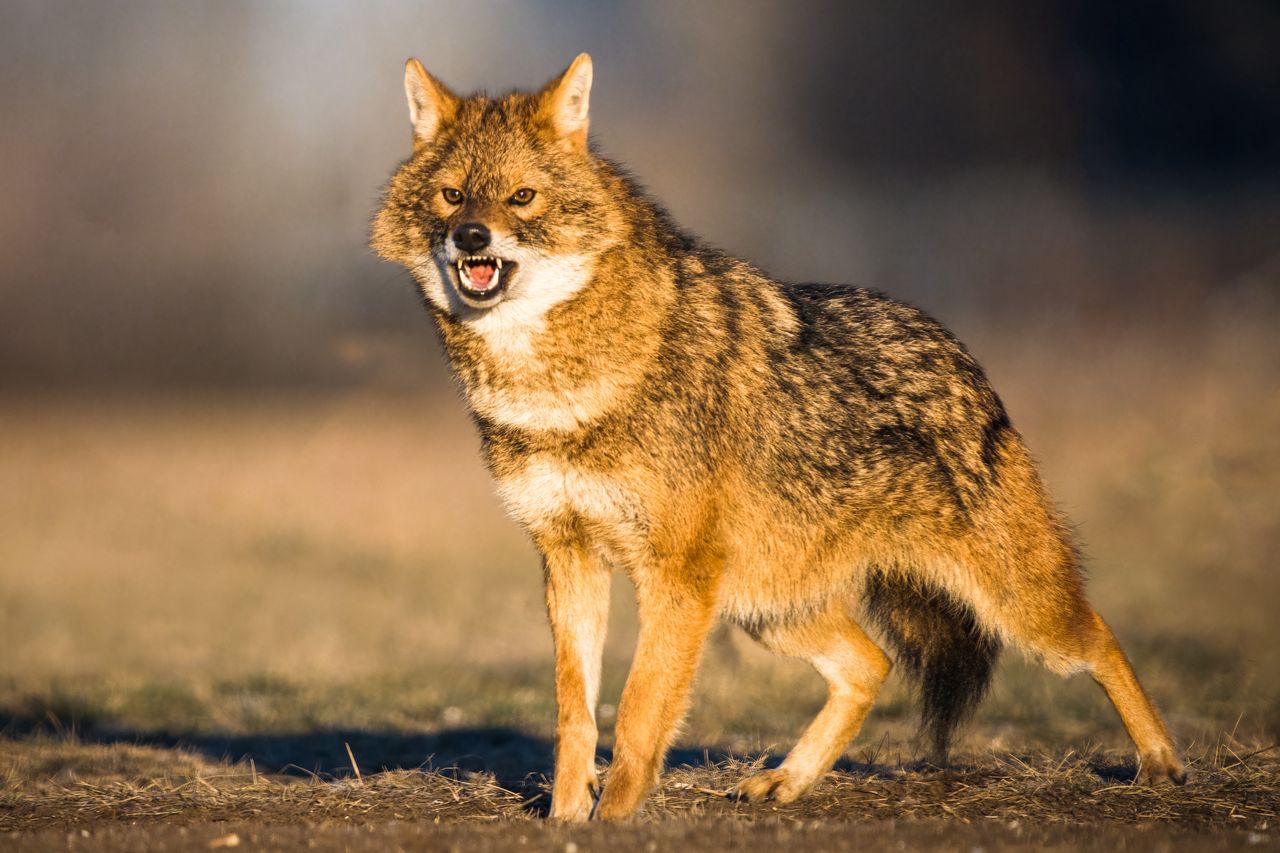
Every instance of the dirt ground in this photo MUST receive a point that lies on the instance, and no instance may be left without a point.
(1000, 802)
(692, 835)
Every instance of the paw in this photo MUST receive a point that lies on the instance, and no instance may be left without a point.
(623, 794)
(779, 785)
(573, 804)
(1161, 768)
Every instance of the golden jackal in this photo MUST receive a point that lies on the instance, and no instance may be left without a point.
(780, 455)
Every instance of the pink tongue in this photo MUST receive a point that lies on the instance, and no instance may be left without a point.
(481, 275)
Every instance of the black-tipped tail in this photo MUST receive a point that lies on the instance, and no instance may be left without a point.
(938, 641)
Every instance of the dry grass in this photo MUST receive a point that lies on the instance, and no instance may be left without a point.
(190, 583)
(1231, 789)
(1232, 794)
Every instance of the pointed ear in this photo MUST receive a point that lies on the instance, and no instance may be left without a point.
(568, 99)
(430, 102)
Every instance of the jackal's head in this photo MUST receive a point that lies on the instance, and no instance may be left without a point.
(501, 201)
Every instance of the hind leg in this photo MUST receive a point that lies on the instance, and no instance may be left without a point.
(854, 668)
(1022, 576)
(1086, 643)
(1157, 758)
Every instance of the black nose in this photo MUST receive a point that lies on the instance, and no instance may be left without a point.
(471, 237)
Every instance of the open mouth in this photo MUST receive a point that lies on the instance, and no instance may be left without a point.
(482, 278)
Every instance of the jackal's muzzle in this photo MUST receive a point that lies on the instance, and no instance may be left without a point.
(481, 277)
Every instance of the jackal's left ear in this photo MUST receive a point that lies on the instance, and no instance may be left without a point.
(568, 99)
(430, 102)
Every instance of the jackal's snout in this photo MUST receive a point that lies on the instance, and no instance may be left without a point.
(482, 276)
(471, 237)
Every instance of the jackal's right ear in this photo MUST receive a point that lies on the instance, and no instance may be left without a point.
(430, 102)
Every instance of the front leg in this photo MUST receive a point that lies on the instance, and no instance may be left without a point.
(577, 587)
(676, 609)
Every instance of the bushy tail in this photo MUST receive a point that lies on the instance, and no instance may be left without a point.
(938, 642)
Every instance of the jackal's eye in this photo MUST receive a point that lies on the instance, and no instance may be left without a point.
(451, 195)
(521, 197)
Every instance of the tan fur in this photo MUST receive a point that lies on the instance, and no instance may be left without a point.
(740, 447)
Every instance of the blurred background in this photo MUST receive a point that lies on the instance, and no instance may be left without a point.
(238, 494)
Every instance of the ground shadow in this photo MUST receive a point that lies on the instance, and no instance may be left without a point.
(518, 760)
(515, 757)
(506, 752)
(1114, 773)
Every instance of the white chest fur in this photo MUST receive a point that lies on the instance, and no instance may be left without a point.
(563, 409)
(547, 489)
